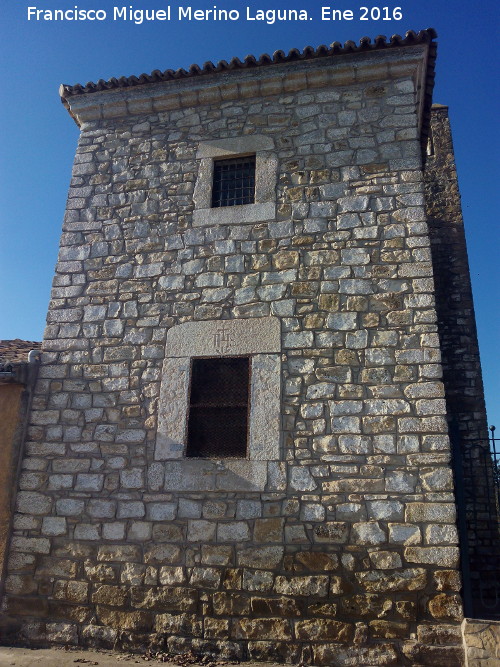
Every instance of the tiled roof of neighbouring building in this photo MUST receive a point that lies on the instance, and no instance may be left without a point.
(17, 350)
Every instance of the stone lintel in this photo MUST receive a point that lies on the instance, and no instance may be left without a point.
(222, 148)
(230, 338)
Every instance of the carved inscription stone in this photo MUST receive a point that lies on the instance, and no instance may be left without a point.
(224, 338)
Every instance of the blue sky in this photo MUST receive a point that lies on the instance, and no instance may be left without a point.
(38, 138)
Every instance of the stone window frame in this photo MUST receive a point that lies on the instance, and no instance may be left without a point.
(260, 340)
(266, 171)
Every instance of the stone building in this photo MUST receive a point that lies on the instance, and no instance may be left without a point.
(18, 369)
(239, 439)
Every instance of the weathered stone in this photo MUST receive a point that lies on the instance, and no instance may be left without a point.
(125, 620)
(30, 502)
(100, 573)
(236, 531)
(269, 628)
(335, 532)
(215, 628)
(366, 605)
(324, 629)
(257, 580)
(26, 606)
(230, 604)
(331, 654)
(268, 530)
(52, 526)
(302, 585)
(447, 580)
(446, 607)
(205, 577)
(439, 634)
(164, 599)
(37, 545)
(385, 560)
(69, 612)
(283, 652)
(99, 636)
(402, 580)
(119, 553)
(187, 625)
(354, 486)
(130, 509)
(367, 533)
(385, 510)
(260, 557)
(20, 584)
(430, 512)
(441, 534)
(315, 561)
(301, 479)
(163, 553)
(402, 533)
(388, 629)
(114, 531)
(284, 607)
(72, 591)
(87, 531)
(112, 596)
(56, 567)
(69, 507)
(62, 633)
(101, 509)
(433, 655)
(443, 556)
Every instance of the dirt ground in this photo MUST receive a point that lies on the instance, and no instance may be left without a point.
(61, 657)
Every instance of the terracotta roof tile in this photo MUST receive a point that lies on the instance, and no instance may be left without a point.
(16, 351)
(365, 44)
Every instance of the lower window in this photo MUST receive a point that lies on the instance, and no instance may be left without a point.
(218, 408)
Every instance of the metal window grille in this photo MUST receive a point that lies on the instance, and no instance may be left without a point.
(234, 182)
(218, 407)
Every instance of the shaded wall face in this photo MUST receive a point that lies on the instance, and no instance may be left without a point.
(336, 537)
(454, 303)
(474, 467)
(10, 415)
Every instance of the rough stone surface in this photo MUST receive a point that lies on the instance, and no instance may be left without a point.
(482, 642)
(329, 542)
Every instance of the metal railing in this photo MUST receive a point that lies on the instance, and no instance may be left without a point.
(477, 489)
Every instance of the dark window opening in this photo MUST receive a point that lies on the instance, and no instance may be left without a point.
(234, 182)
(218, 408)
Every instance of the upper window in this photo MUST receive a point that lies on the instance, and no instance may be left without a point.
(218, 408)
(234, 182)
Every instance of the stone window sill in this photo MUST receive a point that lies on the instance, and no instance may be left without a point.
(234, 215)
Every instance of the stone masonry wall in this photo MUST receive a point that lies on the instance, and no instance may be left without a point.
(455, 307)
(462, 370)
(346, 552)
